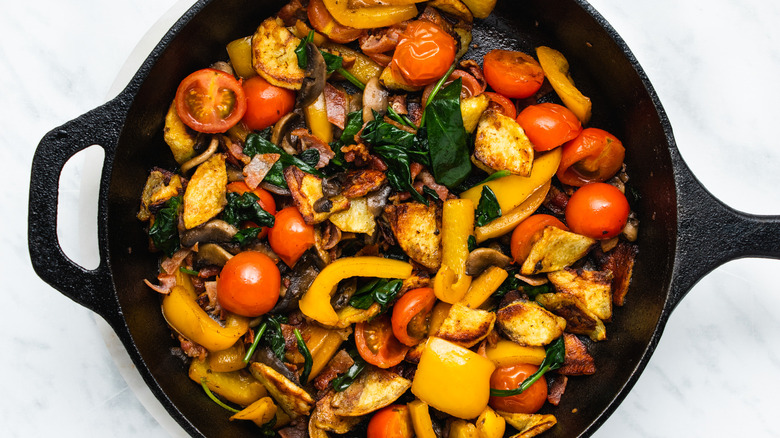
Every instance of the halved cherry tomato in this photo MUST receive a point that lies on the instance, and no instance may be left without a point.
(265, 103)
(528, 232)
(376, 343)
(411, 314)
(248, 284)
(290, 236)
(511, 377)
(507, 106)
(470, 87)
(594, 156)
(210, 101)
(266, 201)
(424, 54)
(324, 22)
(393, 421)
(513, 74)
(597, 210)
(549, 125)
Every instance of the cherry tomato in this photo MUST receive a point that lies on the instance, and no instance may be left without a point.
(513, 74)
(376, 343)
(528, 232)
(210, 101)
(266, 201)
(470, 87)
(411, 315)
(507, 106)
(324, 22)
(511, 377)
(290, 236)
(265, 103)
(424, 54)
(248, 284)
(594, 156)
(597, 210)
(549, 125)
(393, 421)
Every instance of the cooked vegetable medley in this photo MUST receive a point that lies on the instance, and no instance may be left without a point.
(369, 232)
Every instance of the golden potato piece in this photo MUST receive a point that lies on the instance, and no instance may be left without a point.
(529, 324)
(529, 425)
(388, 79)
(466, 326)
(205, 194)
(290, 397)
(306, 190)
(456, 8)
(417, 228)
(578, 318)
(374, 389)
(356, 219)
(593, 288)
(555, 250)
(178, 137)
(157, 191)
(471, 109)
(325, 418)
(501, 144)
(273, 55)
(480, 8)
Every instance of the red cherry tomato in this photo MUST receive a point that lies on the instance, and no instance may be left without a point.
(248, 284)
(411, 314)
(210, 101)
(597, 210)
(323, 21)
(266, 201)
(290, 236)
(549, 125)
(376, 343)
(506, 106)
(424, 54)
(513, 74)
(265, 103)
(594, 156)
(528, 232)
(393, 421)
(511, 377)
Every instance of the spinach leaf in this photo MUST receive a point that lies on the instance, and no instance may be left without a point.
(273, 335)
(472, 243)
(187, 271)
(449, 151)
(533, 291)
(256, 144)
(496, 175)
(164, 232)
(245, 235)
(300, 51)
(511, 283)
(310, 157)
(380, 291)
(488, 208)
(378, 133)
(554, 358)
(352, 127)
(246, 208)
(399, 175)
(308, 362)
(343, 381)
(332, 62)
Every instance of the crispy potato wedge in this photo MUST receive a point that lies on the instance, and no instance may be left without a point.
(455, 8)
(290, 397)
(465, 326)
(356, 219)
(529, 425)
(354, 4)
(205, 194)
(157, 191)
(501, 144)
(417, 228)
(179, 138)
(315, 431)
(593, 288)
(374, 389)
(306, 190)
(273, 55)
(388, 79)
(471, 109)
(555, 250)
(480, 8)
(578, 318)
(326, 419)
(529, 324)
(463, 30)
(360, 182)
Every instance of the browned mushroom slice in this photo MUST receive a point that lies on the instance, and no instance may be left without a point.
(592, 288)
(483, 258)
(465, 326)
(306, 190)
(578, 318)
(529, 425)
(527, 323)
(417, 228)
(215, 230)
(211, 254)
(326, 419)
(290, 397)
(373, 390)
(555, 250)
(314, 79)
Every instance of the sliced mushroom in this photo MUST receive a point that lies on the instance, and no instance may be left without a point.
(314, 80)
(211, 254)
(378, 199)
(200, 159)
(215, 230)
(280, 135)
(374, 99)
(302, 277)
(483, 258)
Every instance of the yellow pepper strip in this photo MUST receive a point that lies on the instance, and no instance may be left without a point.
(451, 282)
(237, 387)
(317, 119)
(315, 302)
(507, 222)
(490, 424)
(438, 315)
(261, 411)
(301, 30)
(364, 68)
(484, 286)
(556, 69)
(369, 17)
(513, 190)
(506, 352)
(229, 359)
(421, 419)
(323, 345)
(453, 379)
(186, 317)
(240, 53)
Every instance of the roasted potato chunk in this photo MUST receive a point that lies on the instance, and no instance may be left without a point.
(555, 250)
(501, 144)
(273, 55)
(529, 425)
(388, 79)
(359, 183)
(480, 8)
(466, 326)
(374, 389)
(578, 318)
(529, 324)
(417, 228)
(205, 194)
(356, 219)
(156, 191)
(306, 190)
(178, 137)
(593, 288)
(290, 397)
(471, 109)
(326, 419)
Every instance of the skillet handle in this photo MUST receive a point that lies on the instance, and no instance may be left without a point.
(90, 288)
(711, 233)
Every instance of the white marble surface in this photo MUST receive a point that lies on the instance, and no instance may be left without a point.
(714, 65)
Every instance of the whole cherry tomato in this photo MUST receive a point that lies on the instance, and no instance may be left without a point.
(506, 106)
(266, 201)
(597, 210)
(528, 232)
(323, 21)
(424, 54)
(248, 284)
(290, 236)
(549, 125)
(393, 421)
(511, 377)
(376, 343)
(411, 314)
(513, 74)
(594, 156)
(265, 103)
(210, 101)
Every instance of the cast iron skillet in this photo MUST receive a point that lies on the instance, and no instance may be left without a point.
(684, 231)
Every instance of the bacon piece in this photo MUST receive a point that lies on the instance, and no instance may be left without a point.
(621, 262)
(556, 200)
(398, 103)
(235, 152)
(339, 364)
(556, 386)
(292, 12)
(425, 178)
(192, 349)
(376, 163)
(258, 168)
(358, 183)
(578, 361)
(171, 264)
(336, 105)
(211, 293)
(310, 141)
(377, 43)
(357, 153)
(167, 282)
(473, 68)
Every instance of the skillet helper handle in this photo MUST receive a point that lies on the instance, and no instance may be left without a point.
(90, 288)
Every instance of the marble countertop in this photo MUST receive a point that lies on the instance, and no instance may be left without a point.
(714, 65)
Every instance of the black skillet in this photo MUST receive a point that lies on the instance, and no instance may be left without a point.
(684, 231)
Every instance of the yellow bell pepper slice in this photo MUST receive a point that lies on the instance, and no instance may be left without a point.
(364, 68)
(453, 379)
(317, 119)
(323, 345)
(484, 286)
(236, 387)
(240, 54)
(513, 190)
(229, 359)
(186, 317)
(438, 315)
(315, 302)
(421, 419)
(507, 222)
(369, 17)
(260, 412)
(451, 282)
(506, 352)
(490, 424)
(556, 69)
(462, 429)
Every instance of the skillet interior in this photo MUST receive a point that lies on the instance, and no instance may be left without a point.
(601, 66)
